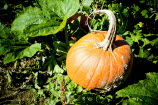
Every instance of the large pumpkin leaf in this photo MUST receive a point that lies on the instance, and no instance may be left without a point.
(3, 35)
(36, 22)
(10, 41)
(61, 7)
(143, 93)
(29, 51)
(4, 31)
(3, 50)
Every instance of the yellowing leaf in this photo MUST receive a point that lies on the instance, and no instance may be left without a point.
(62, 25)
(140, 24)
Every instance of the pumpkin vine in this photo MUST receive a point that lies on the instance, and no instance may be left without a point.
(111, 34)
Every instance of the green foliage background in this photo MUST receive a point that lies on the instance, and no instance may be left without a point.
(37, 29)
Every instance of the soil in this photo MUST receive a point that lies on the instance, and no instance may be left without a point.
(13, 95)
(13, 86)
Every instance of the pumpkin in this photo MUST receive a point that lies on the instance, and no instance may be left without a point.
(100, 60)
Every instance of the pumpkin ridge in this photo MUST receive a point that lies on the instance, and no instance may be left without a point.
(94, 71)
(124, 49)
(79, 67)
(108, 80)
(104, 67)
(118, 54)
(83, 45)
(96, 36)
(82, 64)
(118, 60)
(119, 73)
(90, 42)
(124, 46)
(122, 61)
(78, 52)
(78, 47)
(116, 63)
(125, 55)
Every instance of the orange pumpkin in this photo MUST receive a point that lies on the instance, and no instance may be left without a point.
(100, 59)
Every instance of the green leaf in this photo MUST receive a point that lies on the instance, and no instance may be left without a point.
(71, 86)
(140, 24)
(142, 1)
(79, 89)
(4, 32)
(53, 102)
(141, 52)
(126, 33)
(67, 79)
(86, 3)
(153, 42)
(156, 18)
(62, 25)
(129, 40)
(37, 87)
(143, 93)
(146, 41)
(60, 47)
(5, 7)
(71, 42)
(144, 13)
(52, 65)
(136, 8)
(136, 38)
(35, 22)
(58, 69)
(3, 50)
(125, 12)
(27, 52)
(40, 92)
(36, 80)
(9, 77)
(61, 7)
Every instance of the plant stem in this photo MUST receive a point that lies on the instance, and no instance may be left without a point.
(66, 38)
(111, 34)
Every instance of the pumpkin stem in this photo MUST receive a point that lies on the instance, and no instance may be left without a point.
(111, 34)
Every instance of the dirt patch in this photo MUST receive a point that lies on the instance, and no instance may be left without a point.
(18, 98)
(13, 95)
(13, 83)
